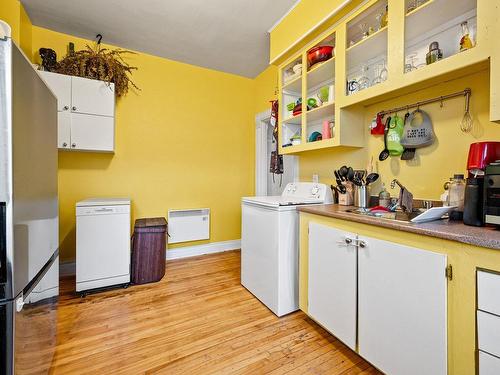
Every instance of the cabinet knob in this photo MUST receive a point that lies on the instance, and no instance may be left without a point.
(362, 244)
(73, 108)
(348, 241)
(65, 144)
(73, 145)
(65, 108)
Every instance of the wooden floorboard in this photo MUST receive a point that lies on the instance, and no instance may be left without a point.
(197, 320)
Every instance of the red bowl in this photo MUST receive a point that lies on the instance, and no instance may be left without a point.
(319, 54)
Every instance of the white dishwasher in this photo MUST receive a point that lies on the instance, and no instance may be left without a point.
(102, 243)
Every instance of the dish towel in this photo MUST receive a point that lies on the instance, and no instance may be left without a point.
(405, 200)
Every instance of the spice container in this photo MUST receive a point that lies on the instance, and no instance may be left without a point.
(434, 54)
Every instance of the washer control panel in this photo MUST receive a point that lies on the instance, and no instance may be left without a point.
(309, 191)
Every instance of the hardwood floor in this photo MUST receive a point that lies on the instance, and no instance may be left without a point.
(197, 320)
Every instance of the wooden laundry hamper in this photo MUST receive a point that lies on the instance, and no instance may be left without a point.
(148, 250)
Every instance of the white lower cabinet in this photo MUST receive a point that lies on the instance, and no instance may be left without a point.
(402, 308)
(385, 300)
(332, 281)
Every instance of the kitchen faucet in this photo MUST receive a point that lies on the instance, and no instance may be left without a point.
(405, 196)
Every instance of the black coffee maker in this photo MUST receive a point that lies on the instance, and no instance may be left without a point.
(481, 156)
(491, 194)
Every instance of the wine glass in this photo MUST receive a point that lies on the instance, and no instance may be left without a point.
(378, 17)
(363, 80)
(410, 62)
(377, 79)
(384, 72)
(364, 30)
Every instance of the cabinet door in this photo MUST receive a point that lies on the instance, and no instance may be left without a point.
(60, 85)
(402, 308)
(92, 133)
(92, 97)
(332, 281)
(63, 130)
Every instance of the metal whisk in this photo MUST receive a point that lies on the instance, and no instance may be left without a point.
(466, 124)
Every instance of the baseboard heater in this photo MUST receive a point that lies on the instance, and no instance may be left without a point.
(188, 225)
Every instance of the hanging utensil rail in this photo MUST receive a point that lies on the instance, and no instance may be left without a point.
(466, 92)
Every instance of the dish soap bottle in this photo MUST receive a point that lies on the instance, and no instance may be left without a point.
(384, 197)
(466, 40)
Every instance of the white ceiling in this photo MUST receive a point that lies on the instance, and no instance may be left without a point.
(226, 35)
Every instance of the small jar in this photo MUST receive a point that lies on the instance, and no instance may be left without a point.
(434, 54)
(384, 197)
(456, 196)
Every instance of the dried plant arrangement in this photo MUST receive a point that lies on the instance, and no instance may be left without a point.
(100, 63)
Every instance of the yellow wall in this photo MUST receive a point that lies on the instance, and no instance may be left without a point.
(185, 141)
(10, 12)
(433, 165)
(25, 29)
(266, 86)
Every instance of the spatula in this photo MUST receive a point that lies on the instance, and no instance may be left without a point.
(385, 152)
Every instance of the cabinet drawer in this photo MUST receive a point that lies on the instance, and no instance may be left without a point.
(488, 364)
(488, 333)
(488, 292)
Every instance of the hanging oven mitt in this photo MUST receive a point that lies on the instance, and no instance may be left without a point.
(417, 133)
(394, 136)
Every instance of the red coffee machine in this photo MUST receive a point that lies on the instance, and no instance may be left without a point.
(480, 155)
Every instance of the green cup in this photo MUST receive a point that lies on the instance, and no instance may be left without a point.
(323, 94)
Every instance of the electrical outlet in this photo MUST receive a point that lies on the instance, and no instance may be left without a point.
(315, 178)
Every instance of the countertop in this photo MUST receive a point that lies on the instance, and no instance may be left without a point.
(487, 237)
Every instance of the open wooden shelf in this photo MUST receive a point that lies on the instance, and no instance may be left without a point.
(433, 14)
(293, 120)
(435, 20)
(369, 48)
(321, 73)
(319, 113)
(294, 86)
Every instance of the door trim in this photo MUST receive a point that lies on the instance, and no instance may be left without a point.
(261, 167)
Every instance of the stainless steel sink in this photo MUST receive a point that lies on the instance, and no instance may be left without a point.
(397, 215)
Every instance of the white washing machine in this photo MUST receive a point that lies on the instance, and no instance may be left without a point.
(102, 243)
(270, 244)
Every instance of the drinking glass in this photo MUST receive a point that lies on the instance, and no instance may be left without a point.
(363, 80)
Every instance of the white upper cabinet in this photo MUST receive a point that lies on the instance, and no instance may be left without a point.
(60, 84)
(89, 133)
(402, 308)
(64, 129)
(92, 97)
(86, 110)
(333, 281)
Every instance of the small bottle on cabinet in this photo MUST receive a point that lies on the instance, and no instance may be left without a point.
(466, 40)
(384, 21)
